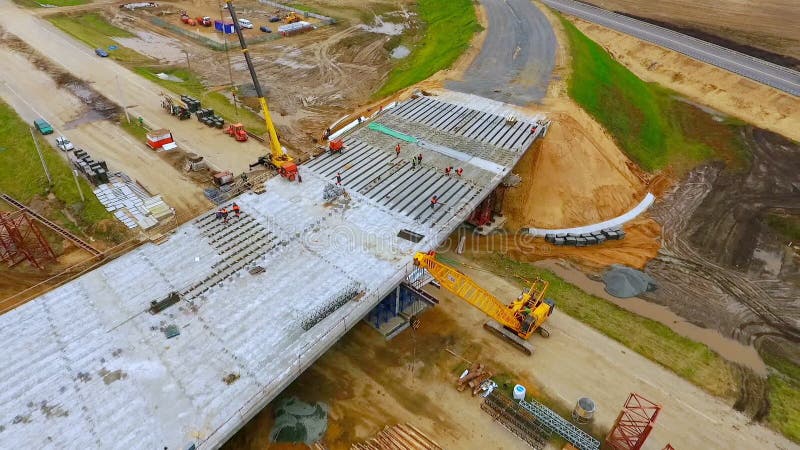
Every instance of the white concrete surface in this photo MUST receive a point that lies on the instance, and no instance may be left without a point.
(87, 366)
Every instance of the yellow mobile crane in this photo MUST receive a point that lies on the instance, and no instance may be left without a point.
(515, 322)
(277, 158)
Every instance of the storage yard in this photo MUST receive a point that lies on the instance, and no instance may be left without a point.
(258, 225)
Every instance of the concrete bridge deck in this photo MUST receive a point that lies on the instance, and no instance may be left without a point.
(88, 366)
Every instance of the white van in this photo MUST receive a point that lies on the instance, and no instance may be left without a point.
(244, 23)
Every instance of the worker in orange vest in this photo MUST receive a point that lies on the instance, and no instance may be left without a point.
(434, 201)
(224, 212)
(236, 210)
(459, 171)
(397, 150)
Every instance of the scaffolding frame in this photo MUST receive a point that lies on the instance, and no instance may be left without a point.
(634, 423)
(20, 240)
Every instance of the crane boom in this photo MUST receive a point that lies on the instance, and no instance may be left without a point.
(464, 287)
(524, 315)
(278, 158)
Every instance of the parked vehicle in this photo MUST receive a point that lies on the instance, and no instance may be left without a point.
(244, 23)
(265, 29)
(42, 126)
(101, 53)
(274, 19)
(64, 144)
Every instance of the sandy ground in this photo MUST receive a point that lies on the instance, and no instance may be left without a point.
(370, 383)
(101, 138)
(760, 23)
(602, 182)
(575, 176)
(307, 78)
(703, 83)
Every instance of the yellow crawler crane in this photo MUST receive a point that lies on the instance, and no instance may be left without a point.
(277, 158)
(515, 322)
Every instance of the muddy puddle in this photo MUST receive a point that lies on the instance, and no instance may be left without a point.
(155, 46)
(400, 52)
(382, 27)
(728, 348)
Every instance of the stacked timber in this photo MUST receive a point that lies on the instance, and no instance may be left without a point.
(398, 437)
(473, 378)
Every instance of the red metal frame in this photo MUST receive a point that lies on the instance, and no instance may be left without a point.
(20, 239)
(633, 424)
(668, 447)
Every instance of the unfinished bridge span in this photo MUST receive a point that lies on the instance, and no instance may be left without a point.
(181, 343)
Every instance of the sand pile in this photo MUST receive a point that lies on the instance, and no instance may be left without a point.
(575, 176)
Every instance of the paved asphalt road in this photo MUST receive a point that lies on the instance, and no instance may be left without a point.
(786, 80)
(517, 57)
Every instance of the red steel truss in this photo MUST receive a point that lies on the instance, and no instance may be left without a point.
(633, 424)
(20, 239)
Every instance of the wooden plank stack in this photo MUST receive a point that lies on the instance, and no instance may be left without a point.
(398, 437)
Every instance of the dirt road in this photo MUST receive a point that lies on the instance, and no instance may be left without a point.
(118, 83)
(22, 88)
(516, 58)
(370, 383)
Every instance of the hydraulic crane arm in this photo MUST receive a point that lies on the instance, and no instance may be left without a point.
(463, 286)
(277, 150)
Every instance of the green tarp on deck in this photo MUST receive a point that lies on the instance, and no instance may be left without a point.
(386, 130)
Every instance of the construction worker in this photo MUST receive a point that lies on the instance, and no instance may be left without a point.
(419, 157)
(397, 150)
(414, 163)
(533, 129)
(224, 213)
(338, 178)
(219, 215)
(447, 171)
(236, 210)
(459, 171)
(434, 201)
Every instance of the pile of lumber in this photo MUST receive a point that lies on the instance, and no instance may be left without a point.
(398, 437)
(473, 378)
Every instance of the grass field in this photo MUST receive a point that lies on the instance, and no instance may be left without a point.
(22, 176)
(691, 360)
(217, 101)
(648, 122)
(96, 32)
(448, 28)
(40, 3)
(786, 225)
(784, 396)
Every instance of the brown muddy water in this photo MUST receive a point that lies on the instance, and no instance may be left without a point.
(728, 348)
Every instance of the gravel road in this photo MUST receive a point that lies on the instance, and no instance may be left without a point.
(516, 60)
(786, 80)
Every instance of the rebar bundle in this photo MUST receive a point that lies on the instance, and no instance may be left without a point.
(319, 313)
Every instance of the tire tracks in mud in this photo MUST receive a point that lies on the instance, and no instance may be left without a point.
(714, 294)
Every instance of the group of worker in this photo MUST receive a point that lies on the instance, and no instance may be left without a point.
(223, 212)
(448, 170)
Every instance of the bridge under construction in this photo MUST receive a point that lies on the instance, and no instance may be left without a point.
(182, 342)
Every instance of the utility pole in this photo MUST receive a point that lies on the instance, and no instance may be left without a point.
(188, 65)
(122, 99)
(228, 56)
(41, 158)
(80, 191)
